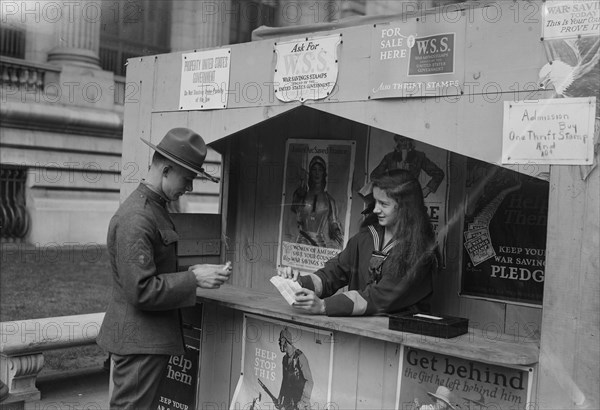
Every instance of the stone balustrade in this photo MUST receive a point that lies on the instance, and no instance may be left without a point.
(23, 342)
(25, 75)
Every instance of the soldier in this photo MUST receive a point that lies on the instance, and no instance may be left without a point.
(296, 381)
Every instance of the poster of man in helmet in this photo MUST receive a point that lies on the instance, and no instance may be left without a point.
(284, 366)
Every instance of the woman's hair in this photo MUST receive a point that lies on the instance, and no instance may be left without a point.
(413, 230)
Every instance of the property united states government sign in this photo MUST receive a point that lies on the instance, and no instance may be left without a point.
(204, 79)
(306, 68)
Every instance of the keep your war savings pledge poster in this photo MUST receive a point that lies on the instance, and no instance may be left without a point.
(504, 240)
(428, 378)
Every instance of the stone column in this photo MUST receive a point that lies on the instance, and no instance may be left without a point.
(78, 35)
(212, 23)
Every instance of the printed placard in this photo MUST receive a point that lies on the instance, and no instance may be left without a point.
(570, 18)
(479, 245)
(436, 381)
(506, 214)
(204, 79)
(315, 211)
(307, 68)
(432, 55)
(284, 366)
(556, 131)
(414, 59)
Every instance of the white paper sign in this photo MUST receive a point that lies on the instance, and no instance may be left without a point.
(570, 18)
(306, 68)
(556, 131)
(204, 80)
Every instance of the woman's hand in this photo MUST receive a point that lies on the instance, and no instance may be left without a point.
(288, 273)
(307, 300)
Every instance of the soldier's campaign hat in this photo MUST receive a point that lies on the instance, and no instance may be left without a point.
(444, 394)
(185, 148)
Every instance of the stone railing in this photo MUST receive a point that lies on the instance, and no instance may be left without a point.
(25, 75)
(23, 342)
(14, 217)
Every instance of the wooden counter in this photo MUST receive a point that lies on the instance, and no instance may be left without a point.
(479, 344)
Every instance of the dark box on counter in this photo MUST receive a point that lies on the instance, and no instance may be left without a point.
(440, 326)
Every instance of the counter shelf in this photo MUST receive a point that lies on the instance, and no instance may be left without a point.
(479, 345)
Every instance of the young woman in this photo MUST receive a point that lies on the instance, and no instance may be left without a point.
(387, 266)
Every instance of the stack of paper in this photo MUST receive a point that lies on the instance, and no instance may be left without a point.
(287, 288)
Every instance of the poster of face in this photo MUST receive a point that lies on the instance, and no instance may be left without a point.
(425, 162)
(284, 366)
(431, 381)
(315, 211)
(506, 215)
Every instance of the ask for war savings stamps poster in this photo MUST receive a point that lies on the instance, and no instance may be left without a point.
(428, 380)
(284, 366)
(504, 233)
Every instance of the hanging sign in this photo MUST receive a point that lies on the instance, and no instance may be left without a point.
(307, 68)
(570, 18)
(556, 131)
(417, 59)
(205, 79)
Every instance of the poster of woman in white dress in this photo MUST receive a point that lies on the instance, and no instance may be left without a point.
(315, 210)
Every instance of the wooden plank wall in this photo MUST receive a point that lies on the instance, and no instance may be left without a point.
(570, 354)
(354, 356)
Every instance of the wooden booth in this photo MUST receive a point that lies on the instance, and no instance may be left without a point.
(515, 208)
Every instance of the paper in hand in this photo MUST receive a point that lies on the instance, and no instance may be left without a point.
(287, 288)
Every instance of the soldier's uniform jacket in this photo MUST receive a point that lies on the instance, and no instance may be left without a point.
(297, 383)
(143, 314)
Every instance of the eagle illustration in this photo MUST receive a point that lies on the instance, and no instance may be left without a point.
(574, 70)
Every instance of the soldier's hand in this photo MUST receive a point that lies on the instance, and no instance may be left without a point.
(211, 276)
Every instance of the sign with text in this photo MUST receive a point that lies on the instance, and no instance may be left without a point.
(417, 59)
(178, 385)
(430, 379)
(570, 18)
(307, 68)
(556, 131)
(315, 211)
(506, 214)
(204, 79)
(284, 366)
